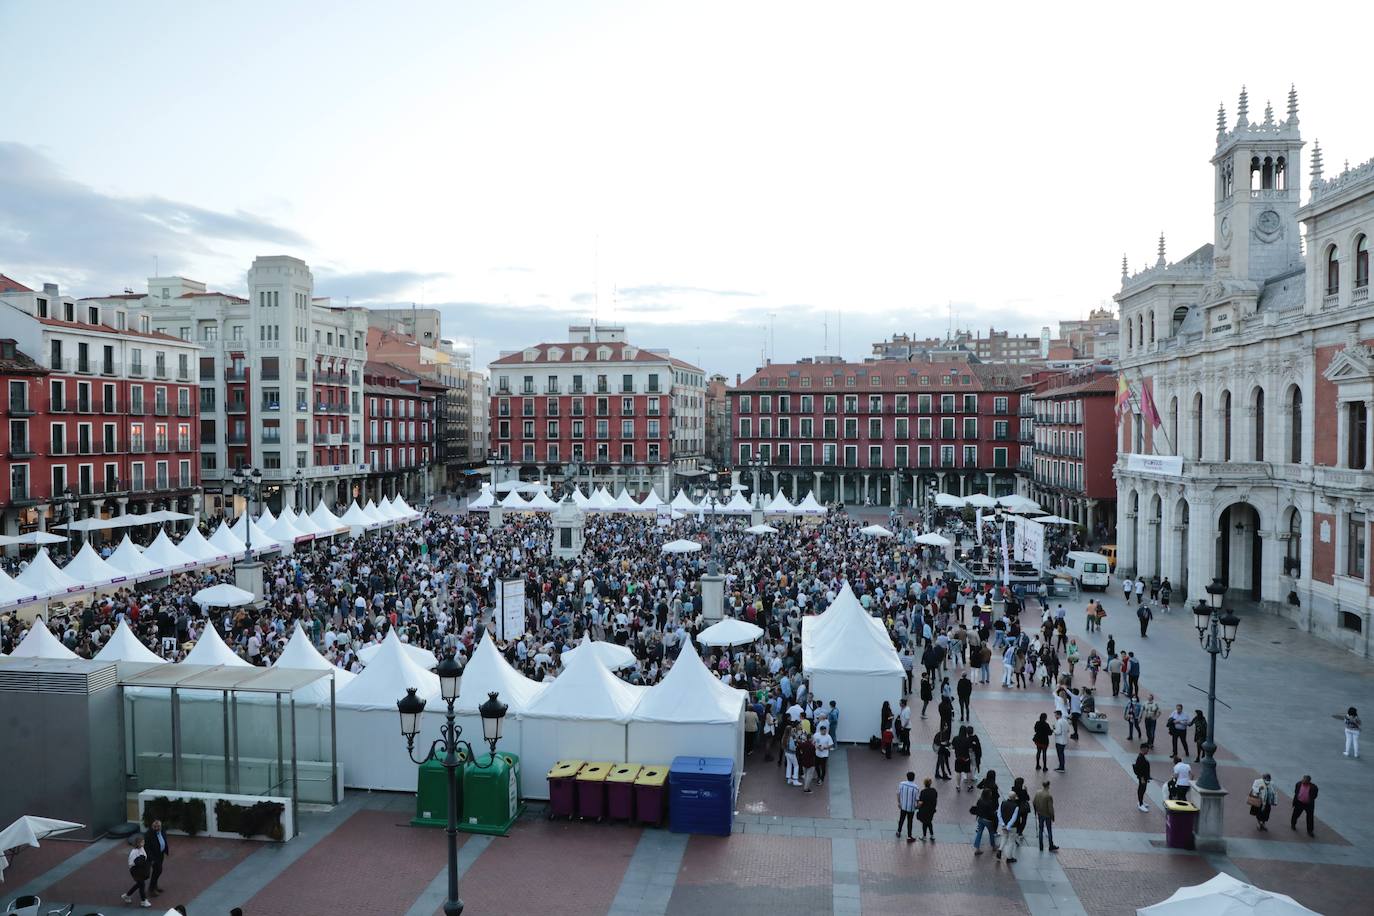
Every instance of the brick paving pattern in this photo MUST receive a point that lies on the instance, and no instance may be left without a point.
(898, 877)
(195, 864)
(753, 872)
(1112, 883)
(1324, 888)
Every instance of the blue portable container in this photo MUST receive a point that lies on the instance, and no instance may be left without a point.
(701, 797)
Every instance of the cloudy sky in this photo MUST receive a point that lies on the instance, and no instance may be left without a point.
(728, 179)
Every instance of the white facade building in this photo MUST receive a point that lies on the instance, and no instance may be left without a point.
(1257, 357)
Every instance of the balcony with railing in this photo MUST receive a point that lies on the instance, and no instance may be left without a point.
(160, 408)
(20, 448)
(236, 407)
(236, 439)
(235, 373)
(20, 407)
(160, 369)
(136, 370)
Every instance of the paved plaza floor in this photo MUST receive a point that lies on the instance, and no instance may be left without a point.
(834, 851)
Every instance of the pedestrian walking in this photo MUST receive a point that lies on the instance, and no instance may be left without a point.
(155, 844)
(1141, 769)
(1199, 734)
(1127, 588)
(941, 747)
(1262, 800)
(1304, 802)
(824, 745)
(1061, 738)
(1139, 590)
(1144, 615)
(139, 869)
(927, 692)
(1041, 739)
(907, 797)
(1352, 732)
(1150, 712)
(926, 803)
(1011, 825)
(985, 810)
(1043, 805)
(1178, 730)
(965, 693)
(963, 759)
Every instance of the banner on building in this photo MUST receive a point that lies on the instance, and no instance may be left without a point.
(664, 516)
(1169, 465)
(510, 612)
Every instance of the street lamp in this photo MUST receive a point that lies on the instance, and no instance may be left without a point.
(450, 743)
(298, 479)
(248, 482)
(1216, 632)
(69, 507)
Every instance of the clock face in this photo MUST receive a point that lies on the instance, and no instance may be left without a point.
(1268, 222)
(1226, 232)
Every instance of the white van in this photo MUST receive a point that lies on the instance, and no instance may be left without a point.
(1089, 570)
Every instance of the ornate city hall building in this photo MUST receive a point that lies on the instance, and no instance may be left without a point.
(1245, 452)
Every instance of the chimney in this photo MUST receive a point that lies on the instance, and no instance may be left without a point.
(737, 380)
(50, 289)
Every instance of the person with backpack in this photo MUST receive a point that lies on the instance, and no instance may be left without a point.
(926, 802)
(1011, 824)
(985, 810)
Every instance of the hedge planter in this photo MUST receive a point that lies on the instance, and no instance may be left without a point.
(253, 817)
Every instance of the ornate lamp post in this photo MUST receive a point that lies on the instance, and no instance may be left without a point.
(713, 583)
(69, 511)
(1216, 632)
(298, 479)
(248, 574)
(450, 744)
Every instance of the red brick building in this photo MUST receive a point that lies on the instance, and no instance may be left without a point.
(883, 431)
(398, 430)
(1075, 446)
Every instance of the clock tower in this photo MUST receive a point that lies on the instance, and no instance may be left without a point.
(1258, 172)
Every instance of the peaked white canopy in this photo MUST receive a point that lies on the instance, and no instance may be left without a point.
(877, 531)
(306, 524)
(689, 692)
(223, 595)
(579, 498)
(513, 500)
(356, 518)
(1019, 504)
(730, 631)
(387, 509)
(610, 655)
(980, 501)
(44, 578)
(627, 503)
(760, 529)
(372, 512)
(737, 505)
(1224, 895)
(483, 500)
(586, 690)
(405, 508)
(262, 541)
(163, 554)
(123, 646)
(650, 502)
(194, 545)
(27, 831)
(284, 531)
(325, 520)
(420, 656)
(932, 539)
(682, 502)
(386, 679)
(211, 650)
(13, 593)
(299, 653)
(600, 500)
(40, 643)
(682, 546)
(809, 506)
(542, 502)
(267, 519)
(90, 570)
(847, 638)
(1055, 520)
(223, 538)
(949, 501)
(487, 671)
(780, 505)
(128, 559)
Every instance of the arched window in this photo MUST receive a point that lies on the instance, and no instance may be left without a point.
(1362, 261)
(1226, 426)
(1259, 424)
(1292, 557)
(1281, 174)
(1254, 173)
(1180, 313)
(1333, 271)
(1140, 329)
(1152, 327)
(1197, 427)
(1267, 174)
(1130, 334)
(1295, 426)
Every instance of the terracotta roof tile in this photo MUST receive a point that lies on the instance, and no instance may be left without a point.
(982, 376)
(617, 349)
(12, 286)
(106, 329)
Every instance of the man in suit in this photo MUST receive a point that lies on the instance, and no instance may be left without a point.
(1304, 802)
(155, 842)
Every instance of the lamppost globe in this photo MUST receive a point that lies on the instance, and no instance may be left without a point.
(493, 713)
(1230, 623)
(1202, 615)
(450, 678)
(410, 707)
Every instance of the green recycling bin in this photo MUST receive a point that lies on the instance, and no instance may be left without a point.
(431, 793)
(491, 794)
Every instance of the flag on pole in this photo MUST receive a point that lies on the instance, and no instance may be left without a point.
(1123, 398)
(1147, 406)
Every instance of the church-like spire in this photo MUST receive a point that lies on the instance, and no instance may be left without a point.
(1316, 162)
(1243, 110)
(1292, 105)
(1268, 114)
(1161, 262)
(1221, 120)
(1125, 270)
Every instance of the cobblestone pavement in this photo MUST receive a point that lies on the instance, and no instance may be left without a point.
(833, 851)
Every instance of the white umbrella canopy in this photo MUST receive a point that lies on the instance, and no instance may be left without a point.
(730, 631)
(32, 538)
(1225, 896)
(1056, 520)
(760, 529)
(949, 501)
(682, 546)
(980, 501)
(932, 539)
(222, 595)
(1018, 504)
(27, 831)
(877, 531)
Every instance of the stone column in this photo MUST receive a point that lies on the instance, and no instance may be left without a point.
(864, 498)
(892, 495)
(1369, 435)
(990, 477)
(817, 486)
(1201, 549)
(42, 510)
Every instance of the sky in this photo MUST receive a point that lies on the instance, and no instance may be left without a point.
(732, 181)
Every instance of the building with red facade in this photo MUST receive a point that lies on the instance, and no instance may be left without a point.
(108, 423)
(883, 432)
(618, 414)
(398, 430)
(1075, 446)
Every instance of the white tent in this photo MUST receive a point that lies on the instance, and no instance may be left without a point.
(372, 512)
(267, 519)
(284, 531)
(387, 509)
(40, 643)
(165, 555)
(356, 518)
(682, 546)
(1055, 520)
(514, 501)
(760, 529)
(194, 545)
(849, 658)
(579, 498)
(123, 646)
(223, 595)
(730, 631)
(682, 502)
(651, 502)
(262, 541)
(612, 655)
(44, 578)
(688, 712)
(90, 570)
(299, 653)
(932, 539)
(307, 524)
(211, 650)
(128, 559)
(485, 499)
(809, 506)
(1224, 895)
(13, 593)
(371, 751)
(542, 502)
(1020, 504)
(600, 500)
(949, 501)
(627, 503)
(489, 671)
(780, 505)
(580, 716)
(325, 520)
(420, 656)
(737, 505)
(406, 511)
(877, 531)
(224, 539)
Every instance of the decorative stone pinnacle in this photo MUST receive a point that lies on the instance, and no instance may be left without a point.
(1221, 120)
(1243, 109)
(1161, 262)
(1125, 271)
(1268, 115)
(1316, 162)
(1292, 104)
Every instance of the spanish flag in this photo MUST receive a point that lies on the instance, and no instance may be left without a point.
(1123, 398)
